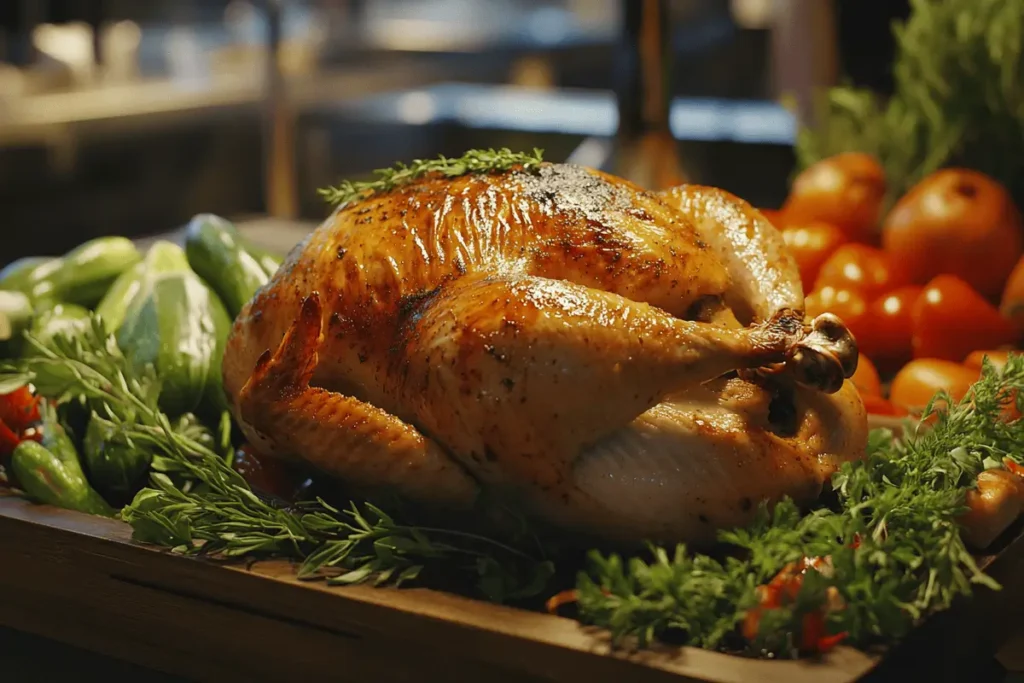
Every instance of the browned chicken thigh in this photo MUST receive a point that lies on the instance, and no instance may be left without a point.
(559, 337)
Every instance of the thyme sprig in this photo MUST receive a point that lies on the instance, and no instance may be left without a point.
(209, 509)
(893, 539)
(473, 161)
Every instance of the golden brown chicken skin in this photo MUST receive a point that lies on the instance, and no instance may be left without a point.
(498, 331)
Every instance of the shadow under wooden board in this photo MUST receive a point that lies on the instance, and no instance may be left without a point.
(79, 579)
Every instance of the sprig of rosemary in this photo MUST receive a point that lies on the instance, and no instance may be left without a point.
(900, 505)
(473, 161)
(209, 509)
(958, 100)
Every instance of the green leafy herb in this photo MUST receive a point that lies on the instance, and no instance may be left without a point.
(958, 100)
(209, 509)
(893, 541)
(473, 161)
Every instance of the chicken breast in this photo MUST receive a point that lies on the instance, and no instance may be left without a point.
(554, 337)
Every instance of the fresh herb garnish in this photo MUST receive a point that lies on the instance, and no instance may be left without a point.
(198, 505)
(893, 539)
(958, 100)
(473, 161)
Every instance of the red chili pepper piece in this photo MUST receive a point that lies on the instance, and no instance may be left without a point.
(1014, 467)
(828, 642)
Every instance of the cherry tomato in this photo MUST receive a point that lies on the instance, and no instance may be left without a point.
(845, 190)
(958, 222)
(264, 474)
(848, 304)
(1012, 303)
(876, 405)
(811, 244)
(866, 378)
(920, 379)
(950, 320)
(998, 358)
(886, 330)
(860, 267)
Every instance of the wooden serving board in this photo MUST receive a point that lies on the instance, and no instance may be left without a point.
(81, 580)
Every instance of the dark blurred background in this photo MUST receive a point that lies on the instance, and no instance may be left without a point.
(128, 117)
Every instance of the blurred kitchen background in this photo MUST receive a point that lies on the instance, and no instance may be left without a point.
(126, 117)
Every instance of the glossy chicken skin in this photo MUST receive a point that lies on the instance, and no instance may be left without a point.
(544, 335)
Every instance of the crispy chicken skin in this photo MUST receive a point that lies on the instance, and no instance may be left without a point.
(559, 337)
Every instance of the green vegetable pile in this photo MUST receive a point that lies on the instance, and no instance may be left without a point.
(958, 99)
(169, 311)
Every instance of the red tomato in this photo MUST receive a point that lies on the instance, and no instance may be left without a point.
(950, 320)
(848, 304)
(957, 222)
(876, 405)
(811, 245)
(920, 379)
(1012, 303)
(860, 267)
(19, 411)
(866, 378)
(845, 190)
(886, 331)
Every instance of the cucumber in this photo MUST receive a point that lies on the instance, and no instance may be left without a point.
(163, 257)
(181, 328)
(84, 274)
(65, 319)
(15, 317)
(269, 261)
(217, 254)
(19, 275)
(116, 466)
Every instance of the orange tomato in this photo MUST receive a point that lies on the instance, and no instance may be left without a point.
(1012, 303)
(950, 320)
(774, 217)
(848, 304)
(958, 222)
(811, 244)
(886, 331)
(998, 360)
(876, 405)
(860, 267)
(918, 381)
(996, 357)
(845, 190)
(866, 378)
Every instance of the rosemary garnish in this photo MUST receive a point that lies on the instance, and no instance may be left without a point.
(198, 505)
(958, 100)
(473, 161)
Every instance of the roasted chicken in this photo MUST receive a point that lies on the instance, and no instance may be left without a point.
(619, 363)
